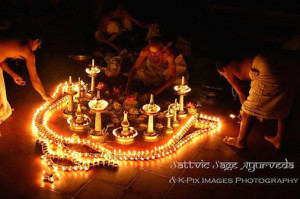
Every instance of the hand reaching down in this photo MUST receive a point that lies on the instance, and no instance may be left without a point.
(19, 80)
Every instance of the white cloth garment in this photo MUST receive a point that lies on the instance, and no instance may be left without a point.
(5, 109)
(150, 73)
(273, 88)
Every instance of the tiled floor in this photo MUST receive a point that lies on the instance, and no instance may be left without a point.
(20, 170)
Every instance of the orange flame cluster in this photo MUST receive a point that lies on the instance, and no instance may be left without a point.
(55, 146)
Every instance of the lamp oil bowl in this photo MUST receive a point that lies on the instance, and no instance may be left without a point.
(79, 122)
(125, 134)
(98, 106)
(55, 145)
(174, 109)
(70, 91)
(93, 71)
(169, 115)
(151, 109)
(182, 90)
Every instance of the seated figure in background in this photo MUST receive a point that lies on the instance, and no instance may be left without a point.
(158, 65)
(115, 24)
(272, 91)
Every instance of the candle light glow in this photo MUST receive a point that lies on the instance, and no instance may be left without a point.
(55, 146)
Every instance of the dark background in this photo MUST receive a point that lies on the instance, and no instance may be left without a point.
(212, 27)
(216, 22)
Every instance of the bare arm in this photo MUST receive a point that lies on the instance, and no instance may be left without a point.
(137, 65)
(34, 78)
(17, 78)
(101, 36)
(7, 69)
(172, 78)
(103, 39)
(237, 85)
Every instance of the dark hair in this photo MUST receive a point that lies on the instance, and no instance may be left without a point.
(26, 37)
(121, 6)
(222, 63)
(33, 32)
(226, 59)
(23, 36)
(156, 41)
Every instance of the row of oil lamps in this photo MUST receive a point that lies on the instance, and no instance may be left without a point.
(125, 134)
(54, 146)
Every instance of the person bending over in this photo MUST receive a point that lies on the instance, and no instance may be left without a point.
(18, 48)
(271, 95)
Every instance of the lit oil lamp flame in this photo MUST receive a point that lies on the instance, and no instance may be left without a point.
(182, 81)
(50, 140)
(98, 95)
(79, 86)
(151, 99)
(232, 116)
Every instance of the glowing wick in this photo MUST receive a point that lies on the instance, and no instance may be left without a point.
(93, 72)
(232, 116)
(182, 81)
(79, 89)
(93, 63)
(78, 112)
(175, 108)
(151, 99)
(70, 92)
(98, 95)
(169, 115)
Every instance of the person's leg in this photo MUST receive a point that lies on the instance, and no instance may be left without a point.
(277, 139)
(241, 141)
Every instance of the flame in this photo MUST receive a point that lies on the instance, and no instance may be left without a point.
(53, 144)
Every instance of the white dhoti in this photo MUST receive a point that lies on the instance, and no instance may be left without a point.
(5, 109)
(150, 73)
(271, 93)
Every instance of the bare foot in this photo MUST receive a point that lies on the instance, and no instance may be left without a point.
(232, 141)
(276, 143)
